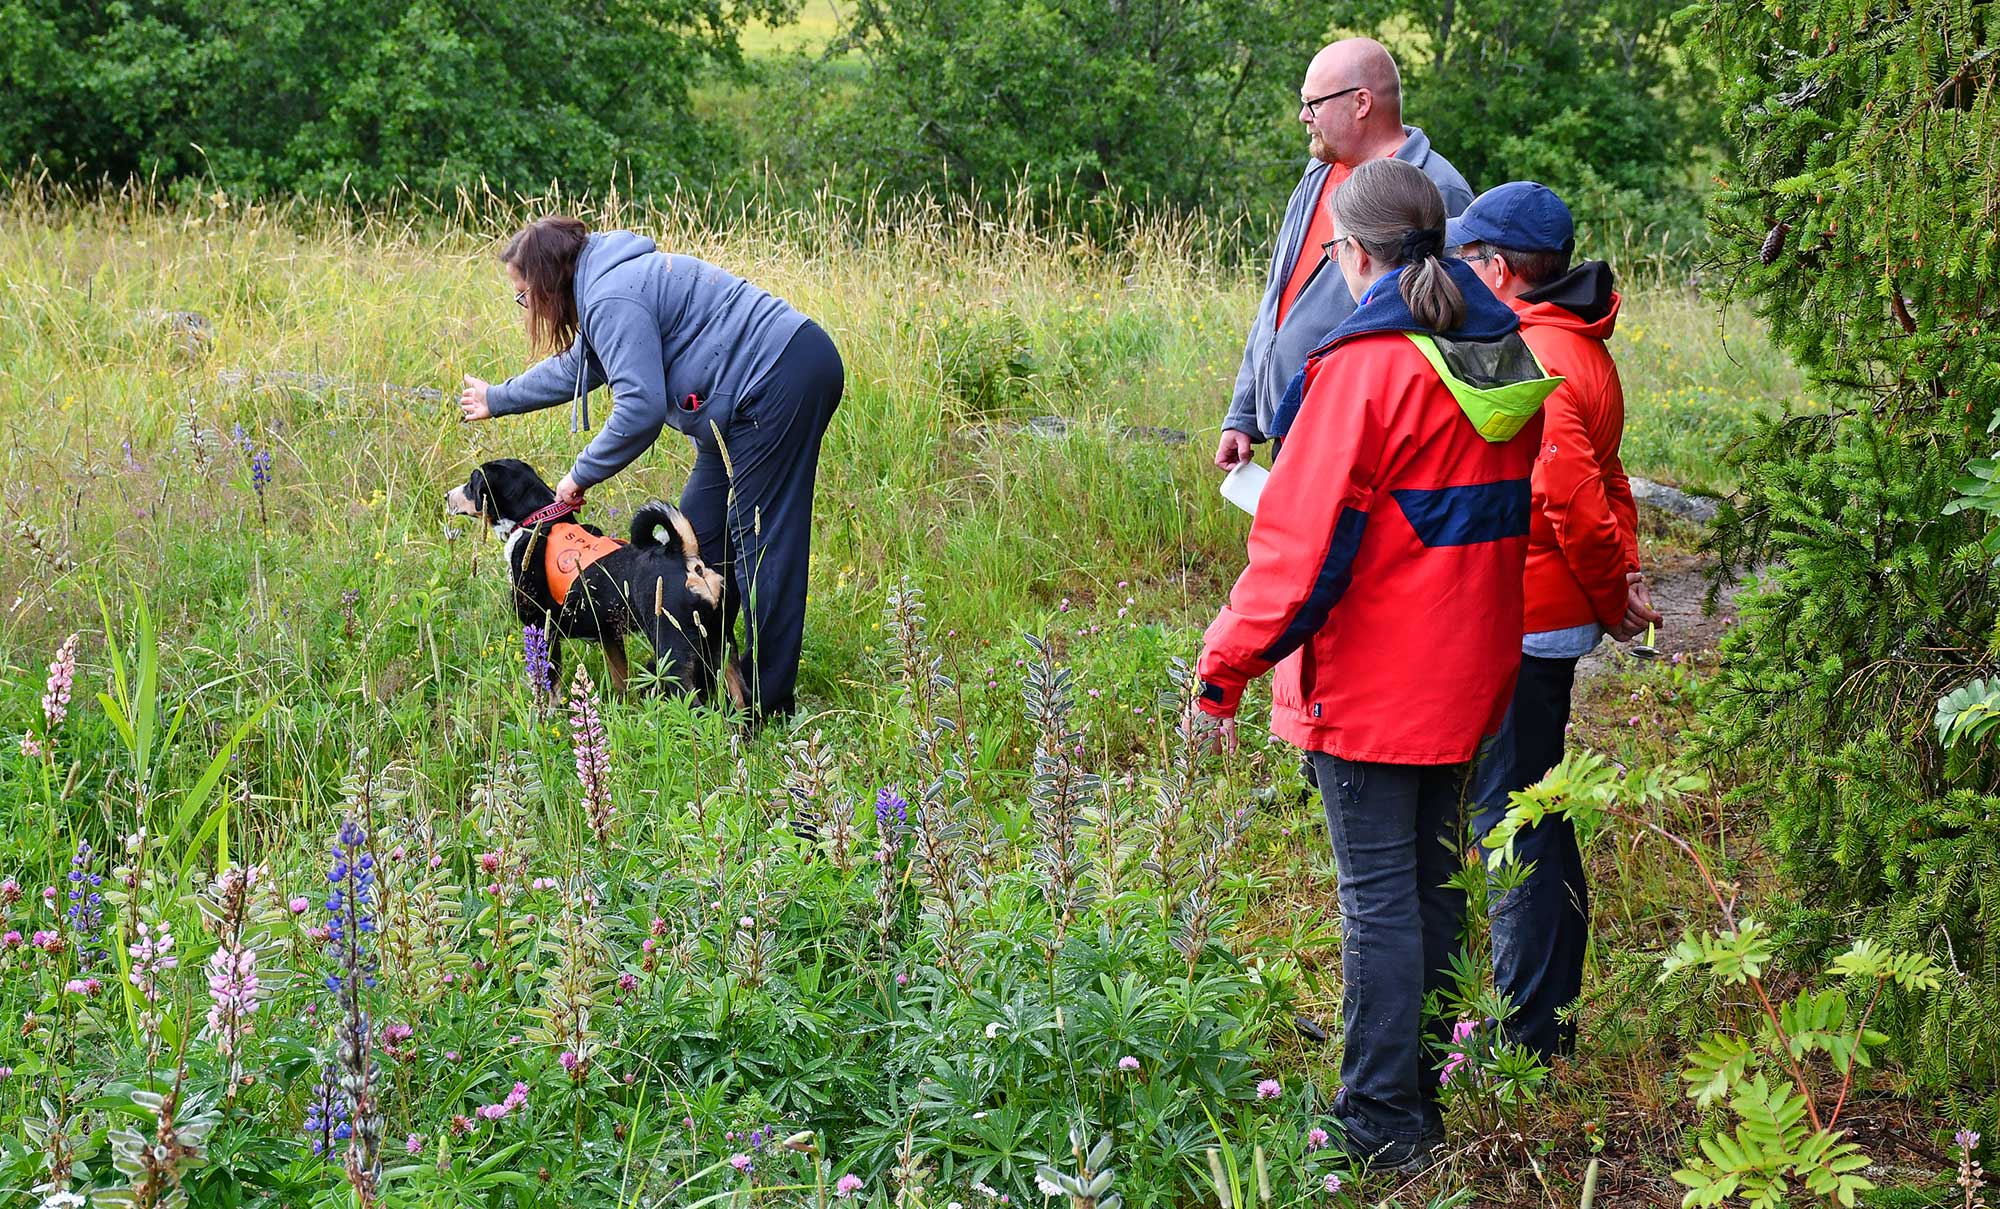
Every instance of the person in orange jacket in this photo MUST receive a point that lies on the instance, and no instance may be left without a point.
(1582, 582)
(1384, 586)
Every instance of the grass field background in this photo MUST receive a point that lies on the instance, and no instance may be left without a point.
(339, 592)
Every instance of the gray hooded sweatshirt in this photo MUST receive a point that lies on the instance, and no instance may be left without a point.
(678, 340)
(1272, 354)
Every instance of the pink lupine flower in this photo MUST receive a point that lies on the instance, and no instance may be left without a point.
(1460, 1034)
(593, 755)
(30, 748)
(1269, 1089)
(232, 996)
(62, 674)
(152, 956)
(847, 1185)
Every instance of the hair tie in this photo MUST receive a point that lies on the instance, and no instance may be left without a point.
(1422, 243)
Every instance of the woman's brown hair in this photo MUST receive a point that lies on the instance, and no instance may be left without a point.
(545, 253)
(1394, 212)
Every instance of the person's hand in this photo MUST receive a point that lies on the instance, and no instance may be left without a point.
(1639, 610)
(472, 400)
(567, 492)
(1234, 448)
(1224, 736)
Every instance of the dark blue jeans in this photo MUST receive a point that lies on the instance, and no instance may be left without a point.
(1396, 832)
(1541, 928)
(751, 508)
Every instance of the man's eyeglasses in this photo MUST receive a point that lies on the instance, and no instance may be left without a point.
(521, 298)
(1471, 257)
(1312, 106)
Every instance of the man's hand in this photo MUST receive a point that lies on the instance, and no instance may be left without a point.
(567, 492)
(472, 400)
(1234, 448)
(1639, 611)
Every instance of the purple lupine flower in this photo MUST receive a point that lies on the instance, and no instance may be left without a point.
(84, 917)
(62, 676)
(890, 805)
(241, 437)
(326, 1114)
(1967, 1140)
(350, 907)
(541, 671)
(593, 755)
(260, 478)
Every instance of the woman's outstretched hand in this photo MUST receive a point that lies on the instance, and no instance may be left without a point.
(472, 400)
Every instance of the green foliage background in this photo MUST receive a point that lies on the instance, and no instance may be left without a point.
(1862, 224)
(326, 96)
(1187, 105)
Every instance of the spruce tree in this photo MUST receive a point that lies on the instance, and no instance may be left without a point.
(1862, 221)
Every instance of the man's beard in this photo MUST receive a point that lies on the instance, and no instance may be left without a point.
(1316, 146)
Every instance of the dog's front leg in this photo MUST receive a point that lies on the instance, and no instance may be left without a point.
(614, 658)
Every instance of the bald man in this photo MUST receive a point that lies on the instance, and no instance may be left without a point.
(1352, 106)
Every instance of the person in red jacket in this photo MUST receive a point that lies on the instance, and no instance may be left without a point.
(1582, 582)
(1384, 586)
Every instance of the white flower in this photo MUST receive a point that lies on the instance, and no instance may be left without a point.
(64, 1199)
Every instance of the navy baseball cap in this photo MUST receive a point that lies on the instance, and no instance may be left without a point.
(1521, 215)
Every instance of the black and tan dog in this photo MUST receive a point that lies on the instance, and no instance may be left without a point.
(578, 583)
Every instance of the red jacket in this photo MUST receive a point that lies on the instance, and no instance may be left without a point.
(1584, 535)
(1385, 558)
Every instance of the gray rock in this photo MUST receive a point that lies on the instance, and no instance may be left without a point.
(1056, 428)
(1698, 508)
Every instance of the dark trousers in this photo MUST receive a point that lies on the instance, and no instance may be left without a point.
(1541, 928)
(749, 499)
(1396, 832)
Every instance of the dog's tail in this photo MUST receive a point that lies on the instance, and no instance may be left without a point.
(660, 526)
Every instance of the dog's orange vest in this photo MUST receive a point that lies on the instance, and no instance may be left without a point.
(568, 549)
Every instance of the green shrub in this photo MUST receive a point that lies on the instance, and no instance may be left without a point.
(1860, 223)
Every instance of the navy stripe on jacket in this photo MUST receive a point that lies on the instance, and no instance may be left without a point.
(1467, 515)
(1335, 573)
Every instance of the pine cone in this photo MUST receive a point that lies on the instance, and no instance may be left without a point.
(1774, 243)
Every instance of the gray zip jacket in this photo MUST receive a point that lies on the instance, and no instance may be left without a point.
(1273, 354)
(678, 340)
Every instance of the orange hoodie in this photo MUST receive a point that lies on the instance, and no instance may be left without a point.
(1583, 532)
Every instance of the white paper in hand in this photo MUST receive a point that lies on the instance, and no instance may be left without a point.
(1244, 484)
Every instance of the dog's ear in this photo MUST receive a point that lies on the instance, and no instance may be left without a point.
(511, 490)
